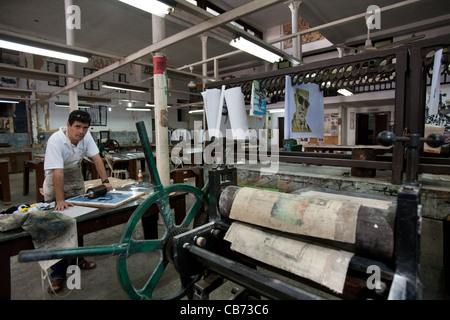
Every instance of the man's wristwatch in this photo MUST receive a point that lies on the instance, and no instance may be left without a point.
(105, 181)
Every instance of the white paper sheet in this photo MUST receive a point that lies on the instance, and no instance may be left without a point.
(323, 265)
(77, 211)
(236, 112)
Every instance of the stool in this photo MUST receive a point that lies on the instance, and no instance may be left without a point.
(38, 166)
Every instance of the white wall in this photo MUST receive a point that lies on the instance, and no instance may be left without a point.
(46, 117)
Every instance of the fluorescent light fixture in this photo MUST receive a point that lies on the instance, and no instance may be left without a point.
(9, 101)
(345, 92)
(138, 109)
(149, 104)
(42, 52)
(254, 49)
(94, 100)
(196, 111)
(66, 105)
(155, 7)
(124, 87)
(280, 110)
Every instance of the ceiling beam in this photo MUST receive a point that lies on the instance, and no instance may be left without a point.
(198, 12)
(18, 37)
(418, 26)
(212, 23)
(342, 21)
(19, 72)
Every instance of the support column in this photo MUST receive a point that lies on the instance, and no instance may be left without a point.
(297, 42)
(70, 40)
(216, 69)
(204, 39)
(160, 95)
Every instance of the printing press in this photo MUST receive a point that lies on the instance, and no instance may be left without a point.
(310, 244)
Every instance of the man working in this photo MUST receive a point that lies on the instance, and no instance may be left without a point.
(63, 178)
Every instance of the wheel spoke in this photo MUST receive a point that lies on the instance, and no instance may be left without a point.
(137, 246)
(147, 289)
(192, 212)
(164, 209)
(136, 216)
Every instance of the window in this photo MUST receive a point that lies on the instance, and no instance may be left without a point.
(59, 68)
(92, 84)
(120, 77)
(98, 115)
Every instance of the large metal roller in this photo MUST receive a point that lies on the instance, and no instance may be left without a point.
(373, 227)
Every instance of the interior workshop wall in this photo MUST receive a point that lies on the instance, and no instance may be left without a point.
(47, 118)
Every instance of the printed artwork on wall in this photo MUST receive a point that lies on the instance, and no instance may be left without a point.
(12, 58)
(304, 111)
(331, 122)
(306, 38)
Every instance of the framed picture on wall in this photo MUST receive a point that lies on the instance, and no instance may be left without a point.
(98, 115)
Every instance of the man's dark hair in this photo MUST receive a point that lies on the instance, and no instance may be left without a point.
(80, 116)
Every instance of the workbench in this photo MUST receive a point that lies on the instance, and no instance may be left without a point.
(4, 181)
(14, 241)
(359, 152)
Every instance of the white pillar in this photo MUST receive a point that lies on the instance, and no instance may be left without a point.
(160, 95)
(216, 68)
(70, 40)
(204, 39)
(297, 42)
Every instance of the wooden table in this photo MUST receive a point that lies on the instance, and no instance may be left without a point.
(14, 241)
(38, 166)
(331, 148)
(16, 160)
(4, 180)
(359, 152)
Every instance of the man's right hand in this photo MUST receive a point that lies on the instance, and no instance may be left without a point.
(62, 205)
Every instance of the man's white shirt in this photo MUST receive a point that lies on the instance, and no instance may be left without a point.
(58, 149)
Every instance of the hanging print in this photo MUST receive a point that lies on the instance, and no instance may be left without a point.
(304, 111)
(258, 100)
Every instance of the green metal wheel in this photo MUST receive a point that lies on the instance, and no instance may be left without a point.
(161, 199)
